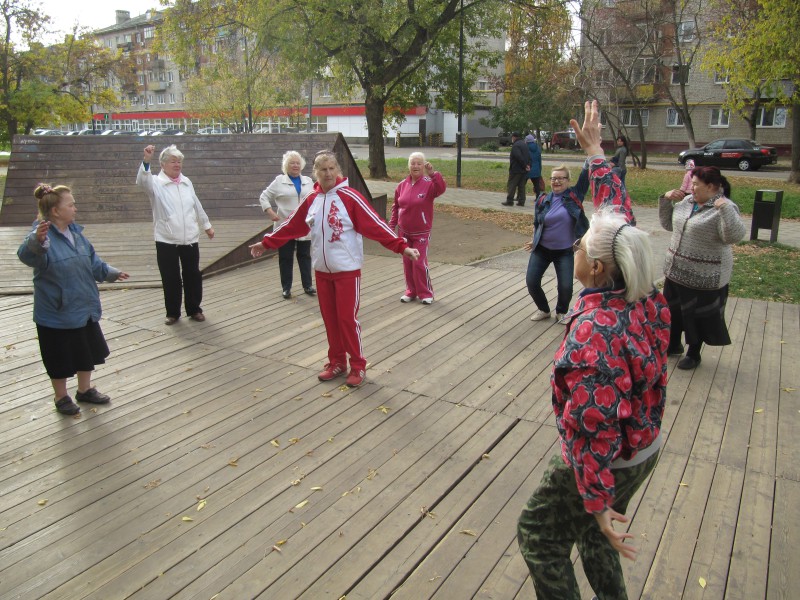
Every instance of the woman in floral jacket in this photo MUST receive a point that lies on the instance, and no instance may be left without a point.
(609, 390)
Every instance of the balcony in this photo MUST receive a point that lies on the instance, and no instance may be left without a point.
(157, 86)
(157, 64)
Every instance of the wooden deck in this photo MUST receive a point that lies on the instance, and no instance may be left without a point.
(224, 469)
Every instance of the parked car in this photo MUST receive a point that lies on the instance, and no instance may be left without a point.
(213, 130)
(564, 139)
(731, 153)
(47, 132)
(504, 138)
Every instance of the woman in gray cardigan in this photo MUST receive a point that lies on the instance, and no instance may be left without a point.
(699, 262)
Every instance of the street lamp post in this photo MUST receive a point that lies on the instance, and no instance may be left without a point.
(459, 133)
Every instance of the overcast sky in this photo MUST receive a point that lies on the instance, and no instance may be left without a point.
(94, 14)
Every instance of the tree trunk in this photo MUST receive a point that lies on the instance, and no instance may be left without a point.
(377, 159)
(794, 174)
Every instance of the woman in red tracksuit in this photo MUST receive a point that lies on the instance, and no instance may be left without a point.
(336, 216)
(412, 211)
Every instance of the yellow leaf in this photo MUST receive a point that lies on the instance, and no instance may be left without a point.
(301, 504)
(297, 398)
(759, 410)
(42, 502)
(330, 439)
(294, 440)
(485, 457)
(187, 519)
(682, 484)
(258, 390)
(327, 395)
(281, 542)
(787, 389)
(201, 505)
(384, 409)
(276, 443)
(233, 462)
(468, 532)
(702, 583)
(316, 488)
(295, 482)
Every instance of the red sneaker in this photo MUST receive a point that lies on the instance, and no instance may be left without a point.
(355, 378)
(331, 372)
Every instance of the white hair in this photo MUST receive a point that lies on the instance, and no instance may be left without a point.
(624, 250)
(289, 155)
(169, 152)
(414, 155)
(324, 157)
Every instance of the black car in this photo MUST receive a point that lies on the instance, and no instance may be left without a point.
(733, 153)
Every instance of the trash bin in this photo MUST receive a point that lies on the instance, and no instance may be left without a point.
(766, 214)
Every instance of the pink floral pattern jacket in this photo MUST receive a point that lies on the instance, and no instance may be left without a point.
(609, 385)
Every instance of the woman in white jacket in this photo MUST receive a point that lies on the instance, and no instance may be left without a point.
(279, 201)
(178, 219)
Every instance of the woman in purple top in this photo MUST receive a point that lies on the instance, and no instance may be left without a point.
(558, 221)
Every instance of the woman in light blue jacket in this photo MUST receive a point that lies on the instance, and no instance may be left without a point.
(66, 302)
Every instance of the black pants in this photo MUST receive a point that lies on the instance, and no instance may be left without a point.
(285, 258)
(516, 186)
(180, 273)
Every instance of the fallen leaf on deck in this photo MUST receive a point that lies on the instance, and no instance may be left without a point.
(201, 505)
(468, 532)
(42, 502)
(702, 583)
(316, 488)
(187, 519)
(682, 484)
(327, 395)
(789, 389)
(277, 549)
(294, 440)
(384, 409)
(759, 410)
(485, 457)
(233, 462)
(276, 443)
(301, 504)
(297, 398)
(371, 474)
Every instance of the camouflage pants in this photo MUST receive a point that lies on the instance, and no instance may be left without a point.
(554, 520)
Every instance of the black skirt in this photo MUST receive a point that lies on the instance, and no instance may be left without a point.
(67, 351)
(700, 314)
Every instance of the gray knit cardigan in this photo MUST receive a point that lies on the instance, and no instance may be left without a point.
(699, 254)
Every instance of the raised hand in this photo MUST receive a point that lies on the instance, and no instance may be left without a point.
(590, 134)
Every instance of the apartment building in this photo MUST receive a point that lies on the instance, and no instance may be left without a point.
(642, 58)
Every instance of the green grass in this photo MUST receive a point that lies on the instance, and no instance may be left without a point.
(644, 186)
(765, 271)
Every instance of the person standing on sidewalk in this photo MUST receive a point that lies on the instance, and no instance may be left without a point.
(336, 216)
(535, 174)
(519, 165)
(412, 212)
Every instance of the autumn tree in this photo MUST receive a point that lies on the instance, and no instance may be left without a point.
(50, 84)
(757, 51)
(395, 52)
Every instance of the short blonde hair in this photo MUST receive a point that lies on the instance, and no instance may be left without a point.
(562, 167)
(414, 155)
(324, 157)
(170, 152)
(289, 155)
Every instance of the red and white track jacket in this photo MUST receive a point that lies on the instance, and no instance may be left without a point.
(335, 220)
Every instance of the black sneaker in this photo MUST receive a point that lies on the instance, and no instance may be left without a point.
(287, 294)
(66, 406)
(310, 290)
(687, 363)
(92, 396)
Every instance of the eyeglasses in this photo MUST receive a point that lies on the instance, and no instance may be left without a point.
(557, 179)
(576, 245)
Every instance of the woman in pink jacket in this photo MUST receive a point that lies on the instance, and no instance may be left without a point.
(335, 216)
(412, 212)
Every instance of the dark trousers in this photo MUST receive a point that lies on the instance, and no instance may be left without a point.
(563, 263)
(554, 520)
(180, 274)
(538, 186)
(516, 187)
(285, 259)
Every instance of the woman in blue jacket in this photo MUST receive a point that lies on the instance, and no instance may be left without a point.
(558, 221)
(535, 174)
(66, 301)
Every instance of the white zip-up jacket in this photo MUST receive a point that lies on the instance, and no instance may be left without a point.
(178, 216)
(282, 197)
(335, 220)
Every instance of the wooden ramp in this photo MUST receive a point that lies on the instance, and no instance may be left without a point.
(224, 469)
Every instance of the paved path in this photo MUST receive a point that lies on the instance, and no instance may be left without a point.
(647, 219)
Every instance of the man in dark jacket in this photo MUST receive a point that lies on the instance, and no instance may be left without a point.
(519, 165)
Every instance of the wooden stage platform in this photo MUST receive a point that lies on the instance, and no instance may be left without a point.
(223, 469)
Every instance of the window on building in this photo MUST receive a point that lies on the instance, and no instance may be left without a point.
(162, 76)
(720, 78)
(138, 37)
(150, 76)
(627, 117)
(771, 117)
(160, 98)
(644, 71)
(141, 79)
(674, 118)
(147, 57)
(686, 31)
(183, 98)
(483, 85)
(149, 33)
(150, 100)
(172, 98)
(325, 90)
(680, 74)
(134, 99)
(720, 117)
(170, 76)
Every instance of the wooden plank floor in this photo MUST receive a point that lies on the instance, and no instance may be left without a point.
(224, 469)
